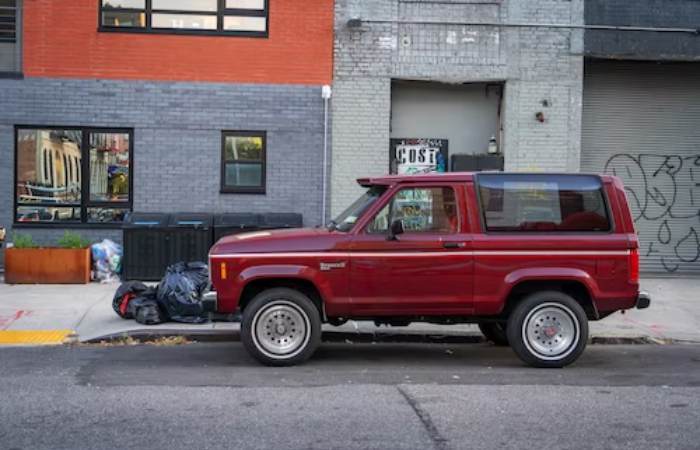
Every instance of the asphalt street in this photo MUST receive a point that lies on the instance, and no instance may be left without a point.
(383, 396)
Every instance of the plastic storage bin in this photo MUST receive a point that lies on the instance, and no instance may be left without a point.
(233, 223)
(145, 246)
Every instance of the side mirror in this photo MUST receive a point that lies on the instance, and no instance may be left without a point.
(395, 229)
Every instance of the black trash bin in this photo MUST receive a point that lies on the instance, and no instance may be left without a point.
(145, 246)
(234, 223)
(281, 220)
(190, 237)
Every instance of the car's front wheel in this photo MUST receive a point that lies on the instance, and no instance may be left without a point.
(281, 327)
(548, 329)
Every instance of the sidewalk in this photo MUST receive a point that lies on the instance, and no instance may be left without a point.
(53, 314)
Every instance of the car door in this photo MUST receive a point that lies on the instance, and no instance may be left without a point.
(425, 270)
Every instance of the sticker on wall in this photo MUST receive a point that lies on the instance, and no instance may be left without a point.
(417, 155)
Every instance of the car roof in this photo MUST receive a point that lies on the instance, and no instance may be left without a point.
(388, 180)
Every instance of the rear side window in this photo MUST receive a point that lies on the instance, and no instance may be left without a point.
(514, 202)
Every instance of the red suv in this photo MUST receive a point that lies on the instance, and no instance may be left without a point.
(530, 258)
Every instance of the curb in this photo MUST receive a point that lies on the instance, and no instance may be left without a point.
(147, 336)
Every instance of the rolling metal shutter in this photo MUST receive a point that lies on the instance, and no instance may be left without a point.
(641, 122)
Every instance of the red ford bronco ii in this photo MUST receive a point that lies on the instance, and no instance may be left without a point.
(530, 258)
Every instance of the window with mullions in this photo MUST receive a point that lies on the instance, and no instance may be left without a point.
(242, 17)
(10, 36)
(72, 175)
(243, 162)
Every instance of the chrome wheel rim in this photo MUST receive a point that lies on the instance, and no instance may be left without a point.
(281, 329)
(551, 331)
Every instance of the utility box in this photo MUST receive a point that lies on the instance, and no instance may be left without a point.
(476, 163)
(234, 223)
(145, 246)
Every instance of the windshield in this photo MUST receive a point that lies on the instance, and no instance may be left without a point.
(346, 220)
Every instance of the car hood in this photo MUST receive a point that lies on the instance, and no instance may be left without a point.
(274, 241)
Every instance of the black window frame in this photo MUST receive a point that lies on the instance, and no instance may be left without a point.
(84, 168)
(604, 196)
(228, 189)
(15, 20)
(220, 13)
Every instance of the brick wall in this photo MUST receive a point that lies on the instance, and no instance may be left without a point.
(537, 65)
(61, 40)
(177, 139)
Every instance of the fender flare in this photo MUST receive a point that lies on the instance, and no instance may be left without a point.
(550, 274)
(293, 271)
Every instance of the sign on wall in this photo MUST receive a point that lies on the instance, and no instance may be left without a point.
(417, 155)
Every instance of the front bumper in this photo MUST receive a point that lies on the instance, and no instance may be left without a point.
(643, 300)
(210, 301)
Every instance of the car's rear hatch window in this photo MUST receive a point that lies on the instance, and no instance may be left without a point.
(543, 202)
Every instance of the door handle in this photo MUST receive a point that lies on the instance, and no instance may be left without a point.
(454, 244)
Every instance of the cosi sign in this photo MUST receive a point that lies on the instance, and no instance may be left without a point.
(418, 155)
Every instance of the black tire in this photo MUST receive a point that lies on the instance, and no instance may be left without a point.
(272, 320)
(495, 332)
(534, 326)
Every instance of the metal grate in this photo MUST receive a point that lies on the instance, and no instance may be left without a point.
(8, 21)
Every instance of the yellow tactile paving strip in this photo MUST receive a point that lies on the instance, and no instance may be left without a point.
(35, 337)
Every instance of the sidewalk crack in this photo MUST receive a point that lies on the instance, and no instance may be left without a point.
(439, 442)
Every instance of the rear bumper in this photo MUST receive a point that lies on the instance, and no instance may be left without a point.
(210, 301)
(643, 300)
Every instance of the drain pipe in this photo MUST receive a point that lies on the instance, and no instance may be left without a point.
(326, 94)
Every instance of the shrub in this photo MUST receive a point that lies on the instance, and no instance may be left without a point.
(23, 241)
(73, 240)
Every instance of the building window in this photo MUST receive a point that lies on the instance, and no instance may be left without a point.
(227, 17)
(10, 49)
(72, 175)
(243, 162)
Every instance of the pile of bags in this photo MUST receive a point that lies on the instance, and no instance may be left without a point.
(177, 297)
(106, 261)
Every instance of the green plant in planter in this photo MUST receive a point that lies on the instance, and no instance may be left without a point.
(23, 241)
(73, 240)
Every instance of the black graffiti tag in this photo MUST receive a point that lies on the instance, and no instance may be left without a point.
(663, 189)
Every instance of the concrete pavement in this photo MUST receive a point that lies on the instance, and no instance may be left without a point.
(84, 313)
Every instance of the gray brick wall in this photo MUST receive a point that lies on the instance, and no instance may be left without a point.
(536, 64)
(177, 140)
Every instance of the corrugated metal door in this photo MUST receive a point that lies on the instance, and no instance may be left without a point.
(641, 122)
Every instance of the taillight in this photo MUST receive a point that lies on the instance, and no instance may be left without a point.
(634, 265)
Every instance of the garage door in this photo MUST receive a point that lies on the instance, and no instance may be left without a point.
(641, 122)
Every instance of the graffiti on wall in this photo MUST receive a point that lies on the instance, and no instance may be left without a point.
(664, 195)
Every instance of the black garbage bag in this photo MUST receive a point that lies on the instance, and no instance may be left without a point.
(179, 292)
(126, 292)
(146, 310)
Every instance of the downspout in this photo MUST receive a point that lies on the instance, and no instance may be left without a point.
(326, 94)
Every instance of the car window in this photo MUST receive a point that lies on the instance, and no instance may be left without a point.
(347, 219)
(543, 203)
(426, 209)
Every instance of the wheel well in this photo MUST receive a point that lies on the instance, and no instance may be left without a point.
(304, 286)
(575, 289)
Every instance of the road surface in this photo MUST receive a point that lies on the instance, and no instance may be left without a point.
(383, 396)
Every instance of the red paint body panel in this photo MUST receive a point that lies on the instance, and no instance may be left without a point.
(359, 274)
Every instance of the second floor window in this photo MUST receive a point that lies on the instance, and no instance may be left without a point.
(9, 36)
(237, 17)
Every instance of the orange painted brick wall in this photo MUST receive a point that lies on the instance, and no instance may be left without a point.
(61, 40)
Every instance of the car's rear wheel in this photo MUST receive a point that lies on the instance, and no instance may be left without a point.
(281, 327)
(548, 329)
(495, 332)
